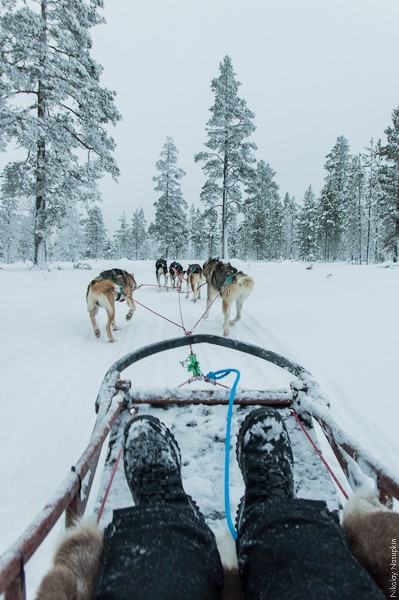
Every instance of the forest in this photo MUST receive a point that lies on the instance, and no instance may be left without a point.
(55, 111)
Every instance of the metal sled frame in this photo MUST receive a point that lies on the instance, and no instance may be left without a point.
(71, 497)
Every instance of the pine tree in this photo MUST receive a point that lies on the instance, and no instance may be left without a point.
(95, 234)
(9, 217)
(122, 239)
(307, 227)
(290, 209)
(390, 184)
(373, 200)
(138, 231)
(199, 235)
(353, 213)
(228, 163)
(244, 234)
(26, 247)
(170, 226)
(264, 214)
(69, 241)
(333, 198)
(53, 105)
(232, 232)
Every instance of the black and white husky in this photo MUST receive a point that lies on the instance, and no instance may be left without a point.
(161, 272)
(194, 280)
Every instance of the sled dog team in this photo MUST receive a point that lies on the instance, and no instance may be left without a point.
(117, 285)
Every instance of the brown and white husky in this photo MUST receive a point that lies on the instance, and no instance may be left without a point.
(231, 284)
(103, 291)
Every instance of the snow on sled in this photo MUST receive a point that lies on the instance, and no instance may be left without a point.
(202, 419)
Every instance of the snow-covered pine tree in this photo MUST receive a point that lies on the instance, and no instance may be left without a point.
(26, 247)
(197, 234)
(123, 239)
(307, 227)
(170, 225)
(212, 229)
(264, 214)
(374, 209)
(9, 215)
(290, 211)
(228, 162)
(244, 234)
(95, 234)
(138, 231)
(69, 240)
(333, 197)
(353, 213)
(53, 105)
(390, 185)
(232, 232)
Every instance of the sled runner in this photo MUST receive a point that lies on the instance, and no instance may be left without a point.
(205, 415)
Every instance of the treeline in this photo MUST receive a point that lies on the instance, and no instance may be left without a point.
(53, 107)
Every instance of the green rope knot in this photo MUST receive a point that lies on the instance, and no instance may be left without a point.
(192, 365)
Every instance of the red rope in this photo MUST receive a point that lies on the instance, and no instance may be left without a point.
(179, 291)
(169, 287)
(159, 315)
(320, 455)
(181, 314)
(100, 512)
(202, 316)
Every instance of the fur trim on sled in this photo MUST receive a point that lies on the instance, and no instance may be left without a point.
(75, 565)
(228, 554)
(373, 531)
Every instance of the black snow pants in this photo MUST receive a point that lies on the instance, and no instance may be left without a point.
(289, 549)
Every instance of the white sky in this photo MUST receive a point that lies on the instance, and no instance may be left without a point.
(310, 70)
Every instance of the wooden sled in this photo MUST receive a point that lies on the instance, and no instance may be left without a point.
(302, 405)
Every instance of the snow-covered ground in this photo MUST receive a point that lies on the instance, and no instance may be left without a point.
(339, 321)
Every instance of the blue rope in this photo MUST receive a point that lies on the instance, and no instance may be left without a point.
(219, 375)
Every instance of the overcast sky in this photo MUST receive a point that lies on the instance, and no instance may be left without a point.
(311, 70)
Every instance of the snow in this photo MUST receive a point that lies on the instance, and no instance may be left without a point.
(339, 321)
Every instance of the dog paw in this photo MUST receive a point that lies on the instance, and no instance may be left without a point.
(225, 332)
(129, 315)
(97, 332)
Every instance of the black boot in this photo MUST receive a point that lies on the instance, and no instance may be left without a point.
(265, 458)
(152, 464)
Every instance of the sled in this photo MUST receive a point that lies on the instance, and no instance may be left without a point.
(302, 404)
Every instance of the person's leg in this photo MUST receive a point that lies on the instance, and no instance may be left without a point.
(160, 549)
(288, 548)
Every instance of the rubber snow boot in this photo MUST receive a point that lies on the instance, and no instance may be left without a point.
(265, 458)
(153, 465)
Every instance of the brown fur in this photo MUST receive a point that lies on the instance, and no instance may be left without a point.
(103, 292)
(75, 565)
(228, 555)
(194, 280)
(231, 284)
(371, 529)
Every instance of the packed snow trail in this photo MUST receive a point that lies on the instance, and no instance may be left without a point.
(341, 328)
